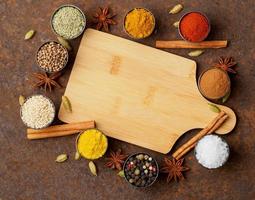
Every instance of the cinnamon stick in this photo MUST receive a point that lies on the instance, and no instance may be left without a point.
(59, 130)
(210, 128)
(180, 44)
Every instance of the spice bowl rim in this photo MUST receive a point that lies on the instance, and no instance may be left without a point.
(50, 72)
(228, 149)
(133, 155)
(199, 79)
(203, 14)
(68, 5)
(124, 20)
(78, 136)
(51, 102)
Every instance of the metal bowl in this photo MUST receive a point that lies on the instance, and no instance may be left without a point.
(199, 79)
(134, 155)
(50, 122)
(131, 36)
(201, 13)
(195, 152)
(68, 5)
(45, 69)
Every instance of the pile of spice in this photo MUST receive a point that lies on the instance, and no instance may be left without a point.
(139, 23)
(92, 144)
(68, 22)
(52, 57)
(37, 112)
(141, 170)
(194, 27)
(212, 151)
(214, 83)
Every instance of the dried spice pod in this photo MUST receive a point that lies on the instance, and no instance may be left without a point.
(77, 155)
(93, 168)
(65, 43)
(61, 158)
(176, 9)
(22, 100)
(67, 104)
(29, 34)
(176, 24)
(121, 173)
(195, 53)
(214, 108)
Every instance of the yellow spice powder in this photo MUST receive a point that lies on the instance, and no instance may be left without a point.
(92, 144)
(139, 23)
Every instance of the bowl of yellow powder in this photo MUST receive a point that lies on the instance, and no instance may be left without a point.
(91, 144)
(139, 23)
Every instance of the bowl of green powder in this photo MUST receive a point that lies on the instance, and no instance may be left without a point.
(68, 21)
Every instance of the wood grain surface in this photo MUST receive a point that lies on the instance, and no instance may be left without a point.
(136, 93)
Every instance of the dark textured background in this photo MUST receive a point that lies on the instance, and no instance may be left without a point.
(27, 168)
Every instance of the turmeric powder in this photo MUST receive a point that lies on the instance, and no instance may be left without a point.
(139, 23)
(92, 144)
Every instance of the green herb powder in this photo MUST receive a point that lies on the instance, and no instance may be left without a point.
(68, 22)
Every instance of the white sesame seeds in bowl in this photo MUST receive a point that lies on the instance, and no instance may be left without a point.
(37, 112)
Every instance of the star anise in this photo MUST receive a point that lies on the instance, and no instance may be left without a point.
(174, 169)
(226, 64)
(116, 160)
(103, 18)
(46, 81)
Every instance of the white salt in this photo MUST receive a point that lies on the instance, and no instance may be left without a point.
(212, 151)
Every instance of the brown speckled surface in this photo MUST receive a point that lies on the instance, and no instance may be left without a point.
(27, 168)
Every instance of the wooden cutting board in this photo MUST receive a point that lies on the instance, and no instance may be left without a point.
(136, 93)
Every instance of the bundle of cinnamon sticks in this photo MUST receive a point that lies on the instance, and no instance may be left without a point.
(210, 128)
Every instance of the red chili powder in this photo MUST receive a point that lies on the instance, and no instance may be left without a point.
(194, 27)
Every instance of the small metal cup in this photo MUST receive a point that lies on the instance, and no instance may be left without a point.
(68, 5)
(54, 114)
(209, 28)
(45, 69)
(134, 155)
(131, 36)
(199, 87)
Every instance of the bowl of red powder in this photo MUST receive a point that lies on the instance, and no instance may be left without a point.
(194, 27)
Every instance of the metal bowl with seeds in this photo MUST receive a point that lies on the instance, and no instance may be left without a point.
(38, 111)
(52, 57)
(68, 21)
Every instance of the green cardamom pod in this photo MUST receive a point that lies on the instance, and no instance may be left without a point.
(121, 173)
(29, 34)
(214, 108)
(65, 43)
(93, 168)
(195, 53)
(22, 100)
(176, 24)
(61, 158)
(77, 155)
(66, 104)
(225, 98)
(176, 9)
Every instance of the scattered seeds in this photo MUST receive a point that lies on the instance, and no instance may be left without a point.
(225, 98)
(65, 43)
(176, 9)
(195, 53)
(61, 158)
(176, 24)
(121, 173)
(93, 168)
(29, 34)
(21, 100)
(67, 104)
(214, 108)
